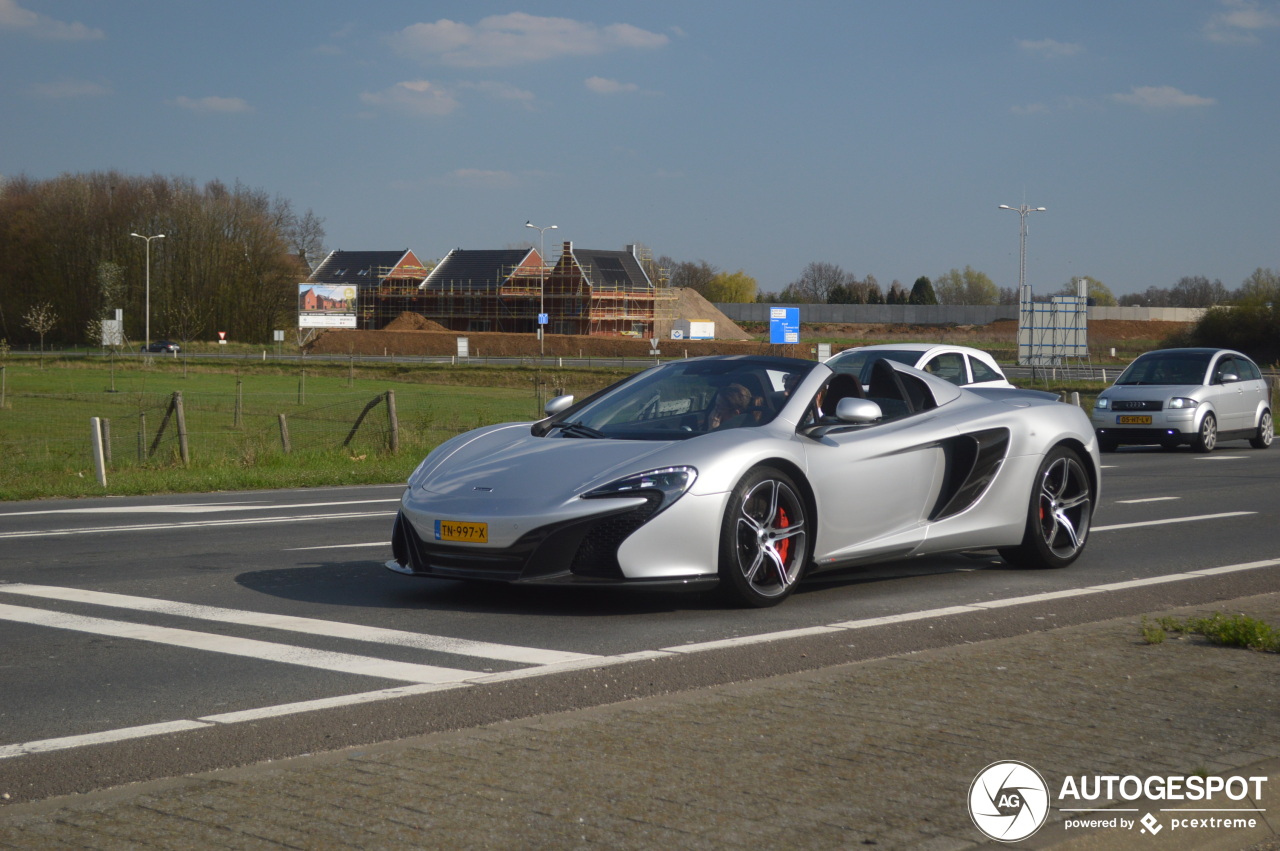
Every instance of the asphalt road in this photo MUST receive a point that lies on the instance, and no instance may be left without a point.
(148, 637)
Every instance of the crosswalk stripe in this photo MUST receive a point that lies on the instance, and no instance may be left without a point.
(252, 648)
(310, 626)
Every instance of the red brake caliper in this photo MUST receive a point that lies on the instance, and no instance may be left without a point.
(783, 546)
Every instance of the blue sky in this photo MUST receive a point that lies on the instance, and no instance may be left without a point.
(879, 136)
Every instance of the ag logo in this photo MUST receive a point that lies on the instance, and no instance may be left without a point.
(1008, 801)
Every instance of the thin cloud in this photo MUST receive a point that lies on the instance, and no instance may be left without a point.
(62, 89)
(1050, 49)
(15, 18)
(1161, 97)
(484, 178)
(603, 86)
(1240, 22)
(500, 91)
(414, 97)
(517, 38)
(213, 104)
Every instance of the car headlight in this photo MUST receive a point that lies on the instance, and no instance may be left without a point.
(1182, 402)
(663, 486)
(1102, 404)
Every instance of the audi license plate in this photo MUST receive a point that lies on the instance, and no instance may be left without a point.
(1146, 420)
(456, 530)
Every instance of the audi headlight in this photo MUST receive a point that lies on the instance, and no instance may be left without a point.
(1178, 402)
(1102, 404)
(662, 486)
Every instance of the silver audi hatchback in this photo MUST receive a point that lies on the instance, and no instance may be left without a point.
(1175, 396)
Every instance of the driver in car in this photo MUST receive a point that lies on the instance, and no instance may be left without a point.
(730, 409)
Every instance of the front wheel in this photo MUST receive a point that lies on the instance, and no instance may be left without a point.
(764, 539)
(1207, 437)
(1266, 432)
(1059, 515)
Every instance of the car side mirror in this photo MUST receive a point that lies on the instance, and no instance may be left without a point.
(858, 411)
(1230, 378)
(557, 405)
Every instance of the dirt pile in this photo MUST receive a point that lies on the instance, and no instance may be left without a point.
(408, 321)
(684, 303)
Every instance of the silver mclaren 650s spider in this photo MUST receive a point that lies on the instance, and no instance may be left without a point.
(749, 473)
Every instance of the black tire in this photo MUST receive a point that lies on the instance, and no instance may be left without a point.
(1059, 514)
(1168, 445)
(1207, 438)
(764, 539)
(1107, 444)
(1266, 432)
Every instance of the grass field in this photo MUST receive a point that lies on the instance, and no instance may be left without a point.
(232, 421)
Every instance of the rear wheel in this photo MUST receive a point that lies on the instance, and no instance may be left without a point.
(1059, 515)
(1266, 432)
(764, 539)
(1207, 437)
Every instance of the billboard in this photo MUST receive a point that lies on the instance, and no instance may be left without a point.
(326, 306)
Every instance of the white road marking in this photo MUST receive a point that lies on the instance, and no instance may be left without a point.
(310, 626)
(1148, 499)
(201, 524)
(193, 507)
(289, 654)
(1169, 520)
(338, 547)
(45, 745)
(1219, 457)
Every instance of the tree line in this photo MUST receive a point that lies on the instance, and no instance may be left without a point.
(827, 283)
(230, 260)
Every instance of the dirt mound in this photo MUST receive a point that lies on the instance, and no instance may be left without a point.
(408, 321)
(684, 303)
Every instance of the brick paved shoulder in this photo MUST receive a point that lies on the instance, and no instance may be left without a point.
(875, 753)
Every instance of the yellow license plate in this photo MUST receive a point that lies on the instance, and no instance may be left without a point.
(455, 530)
(1133, 420)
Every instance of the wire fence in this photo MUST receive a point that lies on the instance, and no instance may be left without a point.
(155, 429)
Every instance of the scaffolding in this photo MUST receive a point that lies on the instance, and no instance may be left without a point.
(511, 301)
(1054, 334)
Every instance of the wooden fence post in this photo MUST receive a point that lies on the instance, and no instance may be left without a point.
(142, 436)
(393, 423)
(106, 441)
(95, 427)
(239, 404)
(284, 435)
(182, 428)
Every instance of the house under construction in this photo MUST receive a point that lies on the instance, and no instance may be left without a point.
(586, 291)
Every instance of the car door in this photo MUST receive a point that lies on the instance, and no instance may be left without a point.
(1229, 398)
(873, 486)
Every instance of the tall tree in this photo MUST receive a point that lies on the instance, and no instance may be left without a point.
(922, 292)
(966, 287)
(732, 287)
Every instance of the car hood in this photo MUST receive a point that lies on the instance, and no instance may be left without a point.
(1151, 391)
(512, 464)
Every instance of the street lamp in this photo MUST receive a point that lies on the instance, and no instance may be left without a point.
(1022, 241)
(542, 285)
(148, 239)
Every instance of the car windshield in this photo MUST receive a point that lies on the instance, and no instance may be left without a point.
(1167, 368)
(685, 399)
(857, 362)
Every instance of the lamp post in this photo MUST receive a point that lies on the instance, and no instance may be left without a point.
(542, 281)
(147, 240)
(1022, 240)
